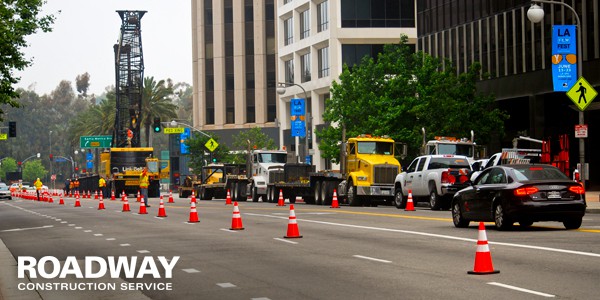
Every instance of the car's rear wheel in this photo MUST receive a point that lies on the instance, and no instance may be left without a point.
(501, 219)
(399, 200)
(572, 223)
(457, 217)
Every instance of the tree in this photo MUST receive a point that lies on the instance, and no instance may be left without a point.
(399, 93)
(9, 164)
(18, 19)
(200, 155)
(82, 82)
(157, 103)
(250, 139)
(33, 169)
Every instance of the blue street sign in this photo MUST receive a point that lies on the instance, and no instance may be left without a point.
(564, 57)
(298, 128)
(184, 149)
(89, 156)
(59, 159)
(297, 107)
(308, 160)
(90, 165)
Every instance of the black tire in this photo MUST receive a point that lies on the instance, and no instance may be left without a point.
(254, 194)
(399, 200)
(457, 217)
(572, 223)
(435, 201)
(326, 193)
(353, 199)
(268, 196)
(525, 223)
(234, 191)
(318, 198)
(501, 220)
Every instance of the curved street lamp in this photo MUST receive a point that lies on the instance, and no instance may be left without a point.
(535, 14)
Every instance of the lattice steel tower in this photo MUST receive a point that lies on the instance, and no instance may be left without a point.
(129, 67)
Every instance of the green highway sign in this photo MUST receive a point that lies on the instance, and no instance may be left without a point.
(97, 141)
(173, 130)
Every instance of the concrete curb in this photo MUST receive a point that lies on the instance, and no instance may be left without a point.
(9, 280)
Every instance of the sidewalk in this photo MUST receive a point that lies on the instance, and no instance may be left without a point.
(593, 202)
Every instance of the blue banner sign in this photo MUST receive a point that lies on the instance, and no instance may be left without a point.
(184, 149)
(298, 128)
(564, 57)
(297, 107)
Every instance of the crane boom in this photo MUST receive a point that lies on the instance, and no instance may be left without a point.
(129, 67)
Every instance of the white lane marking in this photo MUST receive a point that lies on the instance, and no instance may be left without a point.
(110, 239)
(284, 240)
(521, 289)
(229, 230)
(30, 228)
(373, 259)
(78, 227)
(125, 245)
(437, 236)
(64, 222)
(98, 234)
(71, 224)
(190, 270)
(143, 251)
(87, 230)
(226, 285)
(261, 298)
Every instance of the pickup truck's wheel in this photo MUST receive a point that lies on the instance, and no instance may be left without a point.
(353, 199)
(399, 199)
(457, 217)
(318, 198)
(501, 219)
(434, 199)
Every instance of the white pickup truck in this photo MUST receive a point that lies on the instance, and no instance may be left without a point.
(433, 178)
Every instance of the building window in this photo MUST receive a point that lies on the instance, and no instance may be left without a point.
(323, 57)
(305, 24)
(305, 67)
(288, 31)
(287, 1)
(378, 13)
(323, 16)
(289, 70)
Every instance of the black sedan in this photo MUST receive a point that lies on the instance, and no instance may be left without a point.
(524, 193)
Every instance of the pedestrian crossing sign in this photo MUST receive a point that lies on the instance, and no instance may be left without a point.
(582, 93)
(211, 145)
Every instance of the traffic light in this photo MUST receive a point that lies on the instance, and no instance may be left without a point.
(156, 125)
(12, 129)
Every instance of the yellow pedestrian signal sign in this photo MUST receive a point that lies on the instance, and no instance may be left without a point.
(211, 145)
(173, 130)
(582, 93)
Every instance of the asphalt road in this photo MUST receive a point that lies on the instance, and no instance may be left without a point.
(346, 253)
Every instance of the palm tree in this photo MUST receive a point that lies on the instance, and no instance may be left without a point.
(157, 102)
(97, 120)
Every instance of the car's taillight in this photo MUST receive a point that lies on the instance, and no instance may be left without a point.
(463, 179)
(448, 178)
(524, 191)
(577, 189)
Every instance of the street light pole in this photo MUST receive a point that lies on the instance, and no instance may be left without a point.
(281, 90)
(535, 14)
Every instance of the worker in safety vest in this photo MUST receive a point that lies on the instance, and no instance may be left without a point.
(144, 183)
(76, 184)
(38, 187)
(102, 186)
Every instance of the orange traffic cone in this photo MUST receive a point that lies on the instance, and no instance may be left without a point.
(193, 197)
(139, 197)
(125, 203)
(61, 201)
(410, 206)
(50, 200)
(101, 204)
(143, 210)
(334, 202)
(123, 195)
(483, 257)
(112, 195)
(171, 197)
(161, 208)
(236, 220)
(96, 195)
(101, 196)
(228, 199)
(280, 202)
(292, 231)
(193, 213)
(77, 203)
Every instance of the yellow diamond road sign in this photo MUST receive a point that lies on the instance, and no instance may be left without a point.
(211, 145)
(3, 136)
(582, 93)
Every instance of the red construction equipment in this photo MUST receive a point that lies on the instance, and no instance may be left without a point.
(228, 198)
(483, 257)
(236, 220)
(410, 205)
(161, 208)
(334, 201)
(280, 202)
(292, 231)
(193, 213)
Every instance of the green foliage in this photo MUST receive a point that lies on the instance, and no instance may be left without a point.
(248, 140)
(401, 93)
(18, 19)
(9, 164)
(33, 169)
(157, 102)
(199, 154)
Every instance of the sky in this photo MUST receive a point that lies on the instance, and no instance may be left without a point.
(83, 36)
